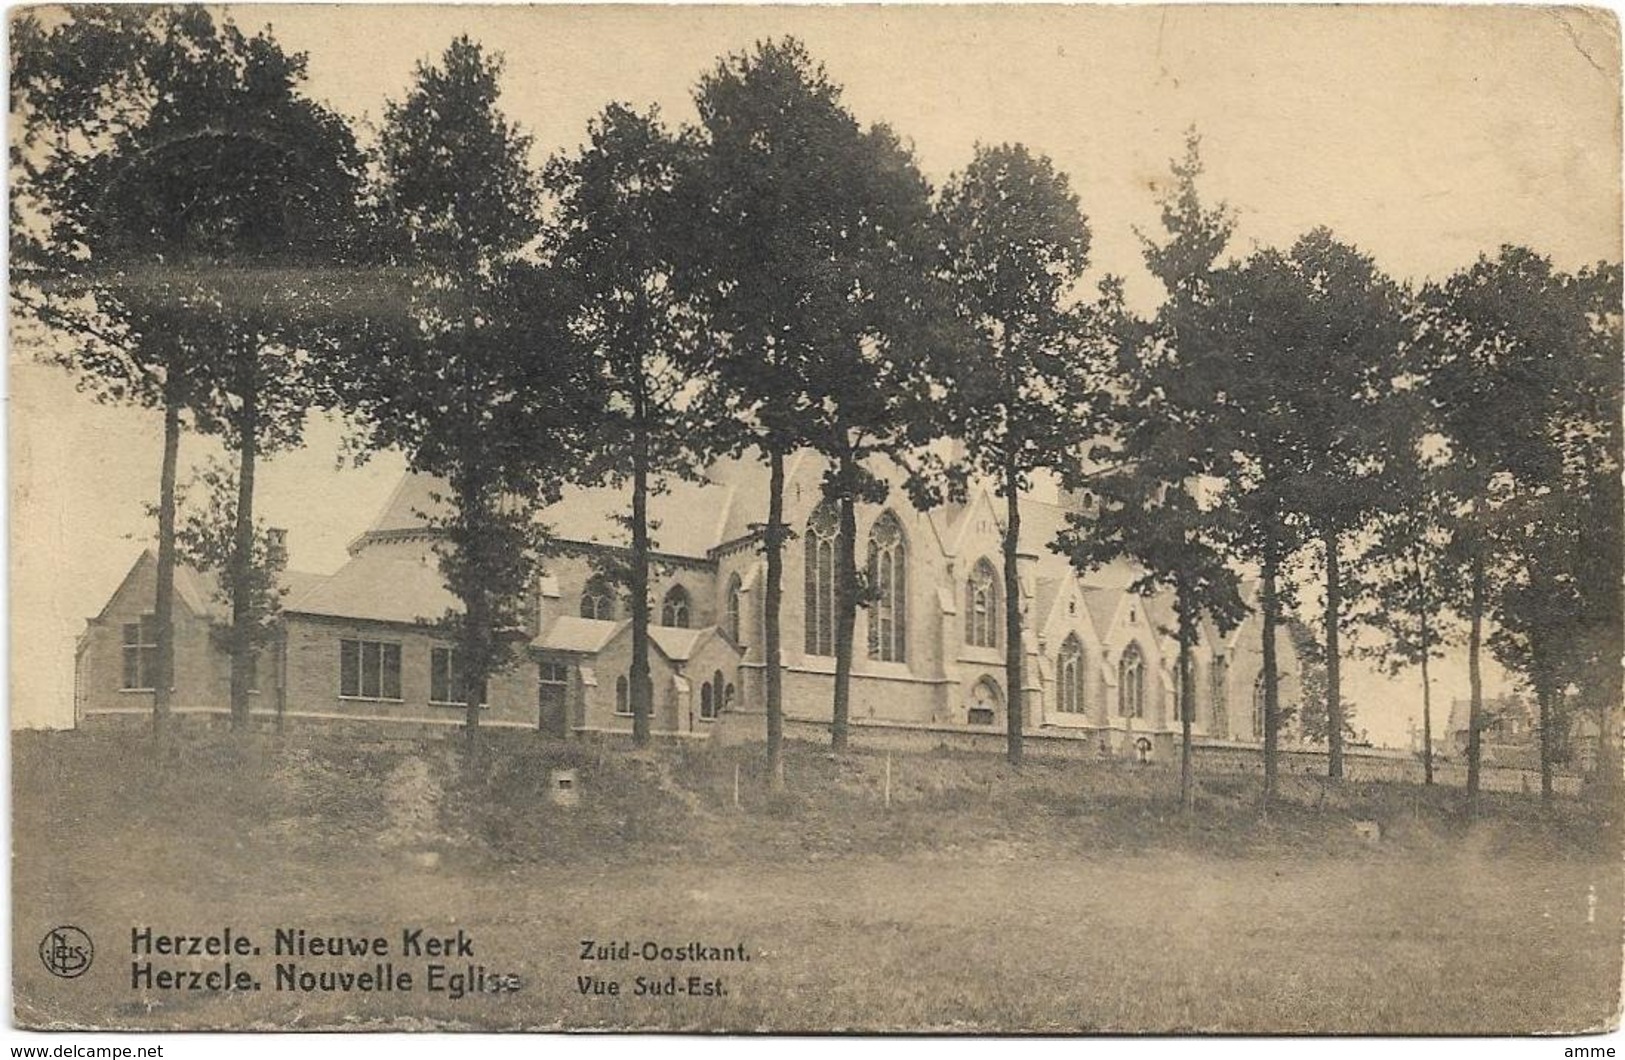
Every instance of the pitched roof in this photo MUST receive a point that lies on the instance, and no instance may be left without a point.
(381, 587)
(1048, 590)
(201, 593)
(678, 645)
(416, 499)
(1102, 605)
(686, 518)
(585, 636)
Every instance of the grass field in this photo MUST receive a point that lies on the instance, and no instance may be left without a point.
(1066, 897)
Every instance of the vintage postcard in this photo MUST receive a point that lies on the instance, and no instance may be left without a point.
(973, 519)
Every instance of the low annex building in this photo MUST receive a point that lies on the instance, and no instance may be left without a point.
(929, 652)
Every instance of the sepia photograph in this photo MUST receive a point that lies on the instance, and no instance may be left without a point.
(879, 519)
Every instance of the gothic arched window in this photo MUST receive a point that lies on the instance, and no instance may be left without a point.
(735, 589)
(888, 581)
(715, 694)
(598, 599)
(819, 605)
(1069, 676)
(1131, 683)
(675, 610)
(982, 606)
(623, 702)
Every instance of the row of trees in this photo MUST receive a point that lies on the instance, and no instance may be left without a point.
(1438, 457)
(200, 237)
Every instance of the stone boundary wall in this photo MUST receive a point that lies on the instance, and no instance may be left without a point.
(1212, 758)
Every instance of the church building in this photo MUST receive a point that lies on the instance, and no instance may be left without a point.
(1100, 661)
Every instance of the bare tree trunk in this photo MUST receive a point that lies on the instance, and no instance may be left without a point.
(479, 620)
(1334, 683)
(846, 611)
(1475, 680)
(1427, 714)
(774, 596)
(642, 686)
(1272, 691)
(1187, 693)
(242, 553)
(475, 643)
(1427, 688)
(1015, 706)
(163, 610)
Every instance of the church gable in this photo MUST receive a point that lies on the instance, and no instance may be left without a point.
(979, 529)
(1065, 612)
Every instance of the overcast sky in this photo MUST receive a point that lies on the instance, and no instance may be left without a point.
(1424, 135)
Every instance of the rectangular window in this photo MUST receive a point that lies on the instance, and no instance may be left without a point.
(140, 653)
(448, 685)
(369, 669)
(445, 678)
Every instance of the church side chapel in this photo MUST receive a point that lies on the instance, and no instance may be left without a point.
(929, 651)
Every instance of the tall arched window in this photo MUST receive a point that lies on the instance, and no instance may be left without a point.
(819, 606)
(623, 702)
(888, 580)
(598, 599)
(714, 693)
(1069, 676)
(1258, 706)
(736, 588)
(674, 611)
(1131, 683)
(982, 606)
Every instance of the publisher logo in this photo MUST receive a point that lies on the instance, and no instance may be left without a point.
(66, 952)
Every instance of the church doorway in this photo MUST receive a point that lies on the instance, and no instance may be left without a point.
(552, 699)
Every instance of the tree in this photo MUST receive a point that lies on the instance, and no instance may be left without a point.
(78, 76)
(1157, 506)
(472, 376)
(872, 389)
(192, 206)
(1557, 541)
(615, 245)
(1314, 718)
(799, 218)
(206, 539)
(1254, 453)
(1504, 341)
(1340, 333)
(1317, 334)
(1015, 245)
(1407, 585)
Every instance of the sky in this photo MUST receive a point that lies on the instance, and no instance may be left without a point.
(1424, 135)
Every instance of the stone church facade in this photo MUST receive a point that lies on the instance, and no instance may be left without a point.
(1099, 664)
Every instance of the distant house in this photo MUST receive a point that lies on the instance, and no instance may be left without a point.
(357, 644)
(1509, 733)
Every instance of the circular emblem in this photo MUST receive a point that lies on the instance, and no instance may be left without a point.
(66, 952)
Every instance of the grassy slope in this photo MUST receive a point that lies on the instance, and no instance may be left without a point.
(857, 916)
